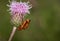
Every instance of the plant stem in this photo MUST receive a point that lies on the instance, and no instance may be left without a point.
(12, 34)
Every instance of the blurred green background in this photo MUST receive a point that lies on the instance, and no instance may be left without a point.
(44, 26)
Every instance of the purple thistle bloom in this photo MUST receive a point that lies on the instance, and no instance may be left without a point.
(18, 11)
(19, 7)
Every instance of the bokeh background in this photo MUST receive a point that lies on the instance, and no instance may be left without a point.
(44, 26)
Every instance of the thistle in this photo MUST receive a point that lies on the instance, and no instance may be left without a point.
(18, 10)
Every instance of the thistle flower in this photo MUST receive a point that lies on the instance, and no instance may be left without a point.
(18, 11)
(19, 7)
